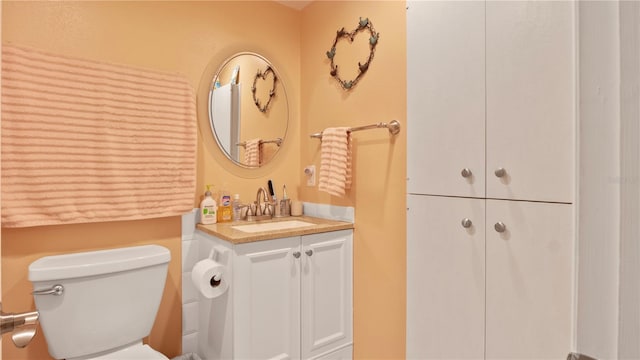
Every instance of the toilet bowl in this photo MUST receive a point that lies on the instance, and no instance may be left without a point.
(100, 304)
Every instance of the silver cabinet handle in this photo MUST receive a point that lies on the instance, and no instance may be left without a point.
(500, 227)
(296, 254)
(309, 252)
(466, 223)
(466, 173)
(500, 172)
(56, 290)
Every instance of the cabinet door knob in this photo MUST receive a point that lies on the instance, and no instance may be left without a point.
(500, 172)
(309, 252)
(466, 223)
(500, 227)
(296, 254)
(466, 173)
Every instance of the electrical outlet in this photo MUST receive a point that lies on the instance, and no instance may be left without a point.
(310, 172)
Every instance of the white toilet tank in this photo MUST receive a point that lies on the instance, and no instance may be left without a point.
(110, 298)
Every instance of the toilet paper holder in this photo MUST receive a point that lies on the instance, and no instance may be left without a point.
(22, 326)
(208, 274)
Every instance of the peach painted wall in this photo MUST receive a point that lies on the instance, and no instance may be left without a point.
(378, 191)
(194, 38)
(190, 38)
(272, 30)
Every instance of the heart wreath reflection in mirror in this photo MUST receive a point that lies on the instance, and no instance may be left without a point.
(272, 92)
(363, 25)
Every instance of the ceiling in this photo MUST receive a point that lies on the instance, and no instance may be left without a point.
(296, 4)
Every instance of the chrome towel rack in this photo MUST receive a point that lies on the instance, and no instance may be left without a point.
(393, 126)
(277, 141)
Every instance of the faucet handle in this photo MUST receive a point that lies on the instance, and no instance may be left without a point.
(251, 209)
(268, 209)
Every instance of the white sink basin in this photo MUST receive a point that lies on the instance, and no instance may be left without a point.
(271, 226)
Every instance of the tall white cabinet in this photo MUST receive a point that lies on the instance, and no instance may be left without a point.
(491, 125)
(491, 87)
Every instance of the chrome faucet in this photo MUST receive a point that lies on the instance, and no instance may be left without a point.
(265, 199)
(255, 211)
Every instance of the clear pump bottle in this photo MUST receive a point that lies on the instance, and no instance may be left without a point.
(237, 208)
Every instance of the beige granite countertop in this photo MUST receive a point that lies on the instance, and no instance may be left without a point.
(226, 231)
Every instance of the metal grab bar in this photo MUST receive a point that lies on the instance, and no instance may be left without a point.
(393, 126)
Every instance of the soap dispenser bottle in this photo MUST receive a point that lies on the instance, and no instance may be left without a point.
(208, 209)
(225, 211)
(237, 208)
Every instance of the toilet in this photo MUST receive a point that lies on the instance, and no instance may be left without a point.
(100, 304)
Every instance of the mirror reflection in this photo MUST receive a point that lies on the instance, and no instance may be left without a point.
(248, 109)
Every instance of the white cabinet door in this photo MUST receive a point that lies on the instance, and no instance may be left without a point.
(445, 278)
(266, 285)
(345, 353)
(446, 97)
(515, 107)
(529, 280)
(326, 292)
(530, 99)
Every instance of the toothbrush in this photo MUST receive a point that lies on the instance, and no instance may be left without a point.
(284, 192)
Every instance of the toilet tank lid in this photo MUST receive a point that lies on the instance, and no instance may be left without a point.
(91, 263)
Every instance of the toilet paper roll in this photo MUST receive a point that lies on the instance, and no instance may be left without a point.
(209, 277)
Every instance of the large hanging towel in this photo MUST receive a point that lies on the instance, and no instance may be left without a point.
(85, 141)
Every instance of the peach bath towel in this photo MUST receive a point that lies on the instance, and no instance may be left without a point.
(335, 161)
(253, 152)
(85, 141)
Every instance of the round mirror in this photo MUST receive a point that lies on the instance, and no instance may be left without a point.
(248, 109)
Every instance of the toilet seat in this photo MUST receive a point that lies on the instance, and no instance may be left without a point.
(137, 351)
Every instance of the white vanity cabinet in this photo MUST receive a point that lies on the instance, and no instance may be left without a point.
(479, 290)
(293, 296)
(491, 86)
(266, 299)
(291, 299)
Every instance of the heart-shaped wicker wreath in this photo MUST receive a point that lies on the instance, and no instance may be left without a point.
(363, 24)
(272, 92)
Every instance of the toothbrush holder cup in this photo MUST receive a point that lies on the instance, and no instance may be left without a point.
(284, 207)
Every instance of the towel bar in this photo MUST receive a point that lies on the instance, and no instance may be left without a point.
(393, 126)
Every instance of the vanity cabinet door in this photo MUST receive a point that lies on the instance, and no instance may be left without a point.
(327, 306)
(445, 278)
(529, 280)
(266, 291)
(446, 98)
(530, 100)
